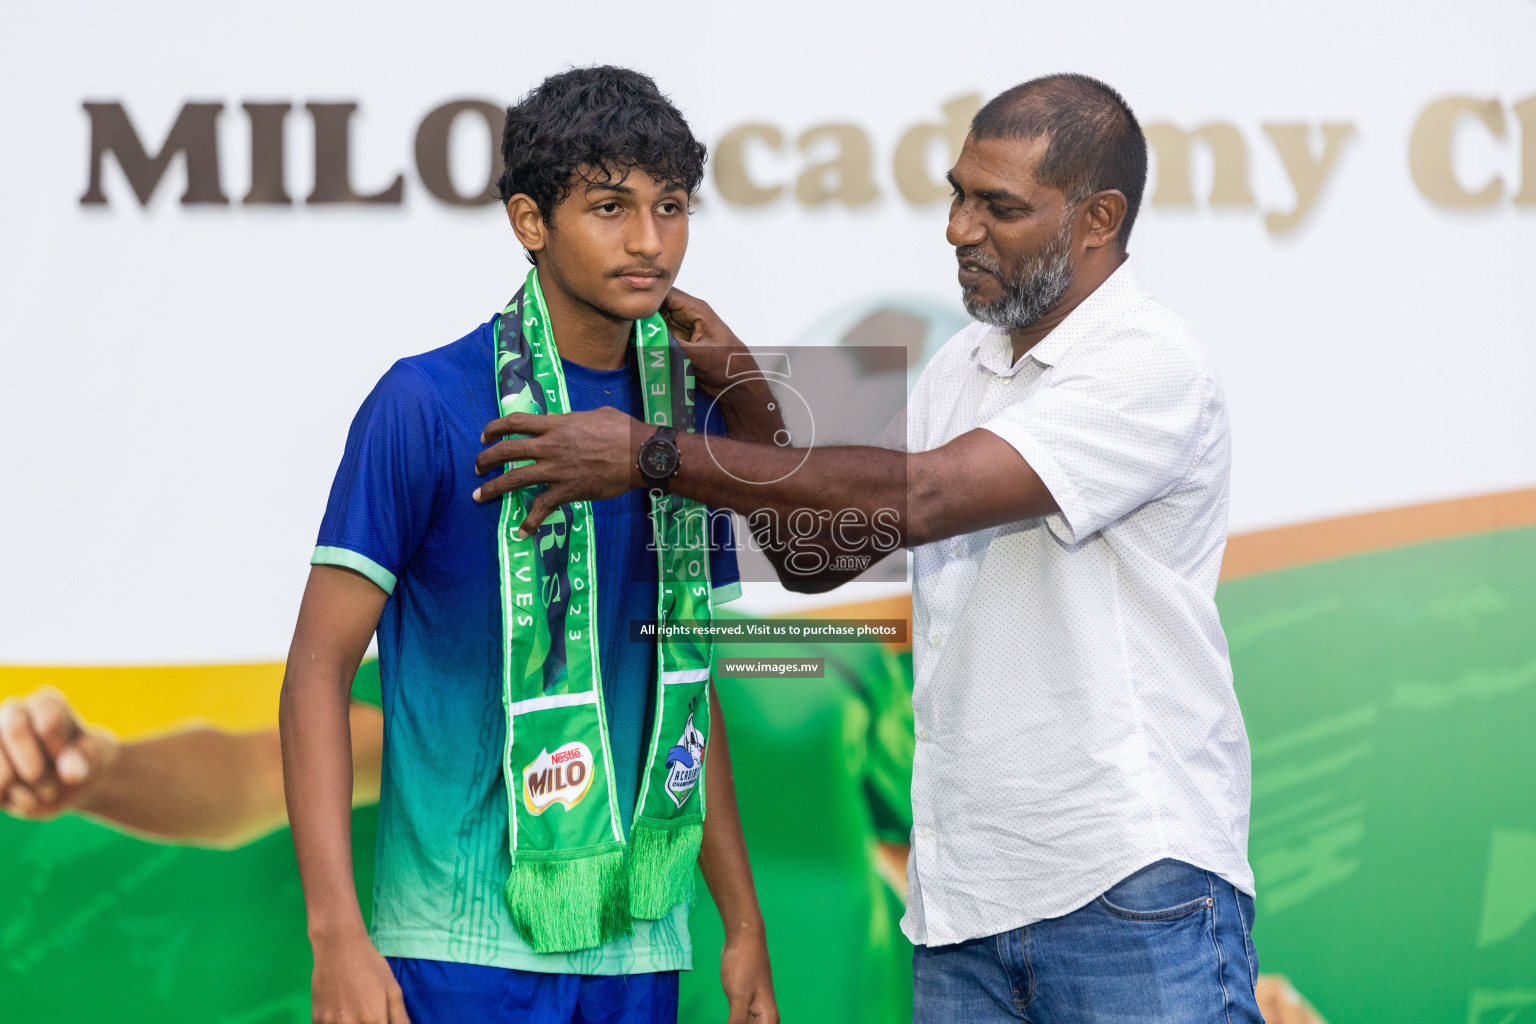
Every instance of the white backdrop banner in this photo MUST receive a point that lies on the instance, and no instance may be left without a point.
(221, 225)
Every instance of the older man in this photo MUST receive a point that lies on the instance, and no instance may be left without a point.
(1081, 781)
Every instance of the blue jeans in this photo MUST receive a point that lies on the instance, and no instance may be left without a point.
(1169, 945)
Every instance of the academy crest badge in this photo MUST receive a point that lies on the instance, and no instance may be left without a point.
(685, 762)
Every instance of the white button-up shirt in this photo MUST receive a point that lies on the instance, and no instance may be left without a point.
(1074, 709)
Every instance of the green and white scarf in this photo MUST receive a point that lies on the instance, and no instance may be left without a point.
(576, 879)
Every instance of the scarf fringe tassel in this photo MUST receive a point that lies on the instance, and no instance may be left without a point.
(661, 859)
(562, 905)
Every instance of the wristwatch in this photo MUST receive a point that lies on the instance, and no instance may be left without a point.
(659, 459)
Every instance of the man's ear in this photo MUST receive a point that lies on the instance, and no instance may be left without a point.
(1105, 214)
(527, 222)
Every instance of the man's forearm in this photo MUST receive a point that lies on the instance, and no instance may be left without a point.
(867, 495)
(885, 498)
(751, 412)
(871, 483)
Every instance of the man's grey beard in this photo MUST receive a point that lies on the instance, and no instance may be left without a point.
(1037, 285)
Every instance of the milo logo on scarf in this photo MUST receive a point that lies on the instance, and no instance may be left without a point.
(577, 879)
(562, 777)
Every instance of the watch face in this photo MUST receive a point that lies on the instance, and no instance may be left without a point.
(658, 459)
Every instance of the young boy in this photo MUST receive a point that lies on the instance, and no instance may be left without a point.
(545, 777)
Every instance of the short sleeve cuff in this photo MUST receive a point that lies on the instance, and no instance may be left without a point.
(724, 594)
(348, 559)
(1071, 523)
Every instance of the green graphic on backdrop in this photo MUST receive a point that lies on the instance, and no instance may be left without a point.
(1391, 701)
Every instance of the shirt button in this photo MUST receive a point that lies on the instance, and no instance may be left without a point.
(922, 734)
(959, 548)
(925, 832)
(935, 640)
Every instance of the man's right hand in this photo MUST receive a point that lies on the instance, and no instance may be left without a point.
(722, 364)
(353, 984)
(709, 344)
(49, 758)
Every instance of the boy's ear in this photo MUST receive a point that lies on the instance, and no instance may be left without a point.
(527, 222)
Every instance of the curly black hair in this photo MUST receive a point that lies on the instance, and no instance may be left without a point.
(594, 126)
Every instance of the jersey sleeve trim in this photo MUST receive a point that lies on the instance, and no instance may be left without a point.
(725, 593)
(348, 559)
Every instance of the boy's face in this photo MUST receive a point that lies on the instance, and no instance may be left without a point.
(616, 247)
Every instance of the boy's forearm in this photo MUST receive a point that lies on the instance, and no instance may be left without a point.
(723, 855)
(339, 613)
(317, 769)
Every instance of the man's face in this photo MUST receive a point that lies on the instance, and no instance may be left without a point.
(1013, 237)
(617, 247)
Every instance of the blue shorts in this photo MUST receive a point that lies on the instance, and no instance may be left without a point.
(1170, 944)
(437, 992)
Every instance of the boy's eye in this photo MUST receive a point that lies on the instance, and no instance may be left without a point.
(609, 208)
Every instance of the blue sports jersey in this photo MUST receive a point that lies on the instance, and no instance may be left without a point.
(401, 513)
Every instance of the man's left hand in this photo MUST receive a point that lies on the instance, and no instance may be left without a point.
(747, 981)
(582, 456)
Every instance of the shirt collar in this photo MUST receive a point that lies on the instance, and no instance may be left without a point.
(994, 351)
